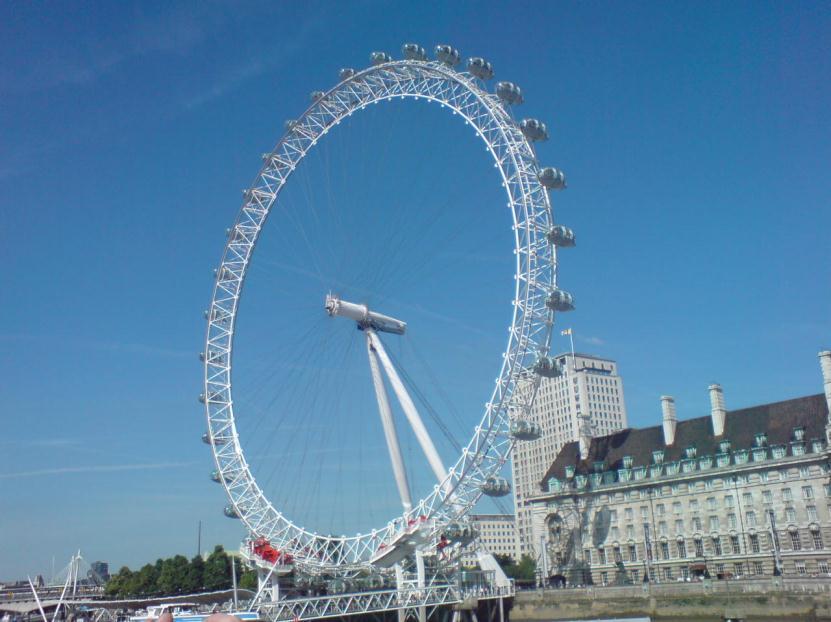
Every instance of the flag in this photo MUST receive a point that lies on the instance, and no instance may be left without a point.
(567, 331)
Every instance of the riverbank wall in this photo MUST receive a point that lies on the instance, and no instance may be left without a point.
(775, 598)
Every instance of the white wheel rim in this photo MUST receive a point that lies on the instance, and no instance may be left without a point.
(529, 333)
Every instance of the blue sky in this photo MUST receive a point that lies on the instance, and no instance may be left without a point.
(695, 138)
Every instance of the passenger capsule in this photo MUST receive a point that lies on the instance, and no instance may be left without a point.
(379, 58)
(413, 51)
(218, 440)
(336, 586)
(480, 68)
(496, 487)
(509, 93)
(202, 398)
(346, 73)
(448, 55)
(552, 178)
(316, 95)
(561, 235)
(459, 531)
(525, 430)
(559, 300)
(534, 130)
(547, 368)
(231, 512)
(216, 477)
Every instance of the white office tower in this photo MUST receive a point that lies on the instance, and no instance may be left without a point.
(589, 386)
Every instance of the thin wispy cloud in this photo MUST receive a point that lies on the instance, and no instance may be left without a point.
(267, 60)
(177, 31)
(101, 468)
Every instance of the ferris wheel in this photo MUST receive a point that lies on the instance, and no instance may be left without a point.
(435, 518)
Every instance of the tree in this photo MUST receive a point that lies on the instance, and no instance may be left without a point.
(248, 580)
(118, 583)
(174, 575)
(146, 581)
(217, 575)
(195, 575)
(526, 569)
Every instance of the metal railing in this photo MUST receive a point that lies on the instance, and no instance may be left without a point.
(369, 602)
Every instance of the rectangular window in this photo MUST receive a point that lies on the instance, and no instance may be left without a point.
(627, 513)
(679, 526)
(767, 496)
(796, 545)
(790, 515)
(751, 518)
(644, 512)
(754, 543)
(720, 569)
(807, 492)
(787, 495)
(630, 532)
(817, 537)
(682, 549)
(601, 554)
(758, 568)
(662, 528)
(660, 509)
(676, 507)
(699, 548)
(664, 550)
(667, 574)
(823, 566)
(636, 575)
(587, 554)
(800, 567)
(747, 498)
(713, 523)
(731, 521)
(812, 513)
(633, 553)
(717, 546)
(604, 578)
(711, 503)
(734, 544)
(728, 501)
(617, 555)
(685, 572)
(696, 523)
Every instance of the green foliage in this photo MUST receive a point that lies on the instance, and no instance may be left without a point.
(177, 575)
(217, 570)
(525, 570)
(248, 580)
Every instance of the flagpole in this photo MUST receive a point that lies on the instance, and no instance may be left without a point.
(571, 339)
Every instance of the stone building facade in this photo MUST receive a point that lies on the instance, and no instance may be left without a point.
(589, 387)
(497, 535)
(738, 493)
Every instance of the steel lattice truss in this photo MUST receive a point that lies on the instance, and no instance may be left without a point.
(370, 602)
(529, 333)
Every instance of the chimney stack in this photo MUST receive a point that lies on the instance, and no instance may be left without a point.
(670, 420)
(717, 411)
(825, 363)
(585, 435)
